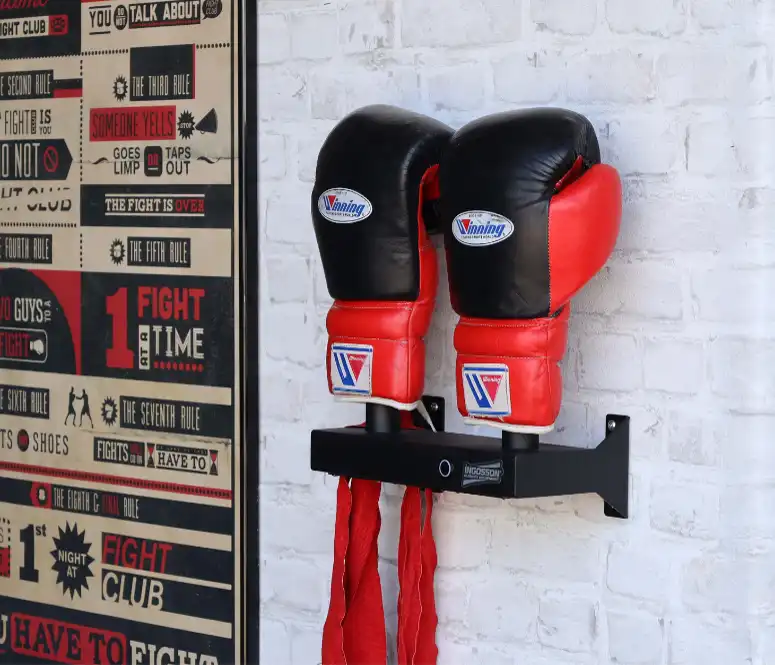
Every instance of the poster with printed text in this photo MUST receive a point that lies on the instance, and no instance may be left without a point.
(120, 379)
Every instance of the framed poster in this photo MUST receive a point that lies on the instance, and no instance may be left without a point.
(127, 517)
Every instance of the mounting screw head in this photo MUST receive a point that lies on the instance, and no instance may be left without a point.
(611, 425)
(434, 406)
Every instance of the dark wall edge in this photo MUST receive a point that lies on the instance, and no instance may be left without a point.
(249, 346)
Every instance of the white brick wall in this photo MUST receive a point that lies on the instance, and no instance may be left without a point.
(678, 330)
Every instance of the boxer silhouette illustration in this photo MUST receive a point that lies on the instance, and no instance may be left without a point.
(85, 410)
(71, 405)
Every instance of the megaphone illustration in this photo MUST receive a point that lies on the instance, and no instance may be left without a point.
(208, 124)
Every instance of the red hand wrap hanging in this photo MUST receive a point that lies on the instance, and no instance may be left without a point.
(354, 631)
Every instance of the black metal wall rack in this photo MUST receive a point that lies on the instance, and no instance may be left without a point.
(514, 466)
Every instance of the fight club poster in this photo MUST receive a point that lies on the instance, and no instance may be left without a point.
(121, 382)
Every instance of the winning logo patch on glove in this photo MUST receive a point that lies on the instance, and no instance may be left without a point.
(351, 369)
(343, 206)
(479, 228)
(486, 389)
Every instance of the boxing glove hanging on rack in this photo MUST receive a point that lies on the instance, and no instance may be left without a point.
(530, 215)
(375, 173)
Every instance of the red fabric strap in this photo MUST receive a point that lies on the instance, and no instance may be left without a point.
(354, 631)
(333, 637)
(409, 574)
(417, 620)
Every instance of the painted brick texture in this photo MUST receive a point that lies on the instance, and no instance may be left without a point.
(678, 330)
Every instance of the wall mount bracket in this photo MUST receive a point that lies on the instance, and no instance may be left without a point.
(515, 466)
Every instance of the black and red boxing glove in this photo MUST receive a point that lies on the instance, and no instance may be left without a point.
(530, 215)
(374, 172)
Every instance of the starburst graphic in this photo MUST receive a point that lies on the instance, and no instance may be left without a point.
(120, 88)
(72, 562)
(109, 411)
(117, 252)
(186, 125)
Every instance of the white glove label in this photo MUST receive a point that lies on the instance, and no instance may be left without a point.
(344, 206)
(479, 228)
(351, 369)
(486, 389)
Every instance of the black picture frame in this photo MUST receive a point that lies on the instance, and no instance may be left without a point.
(249, 316)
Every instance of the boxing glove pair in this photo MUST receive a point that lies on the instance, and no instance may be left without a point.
(529, 215)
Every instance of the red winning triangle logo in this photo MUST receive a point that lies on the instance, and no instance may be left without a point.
(331, 200)
(466, 223)
(356, 363)
(491, 383)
